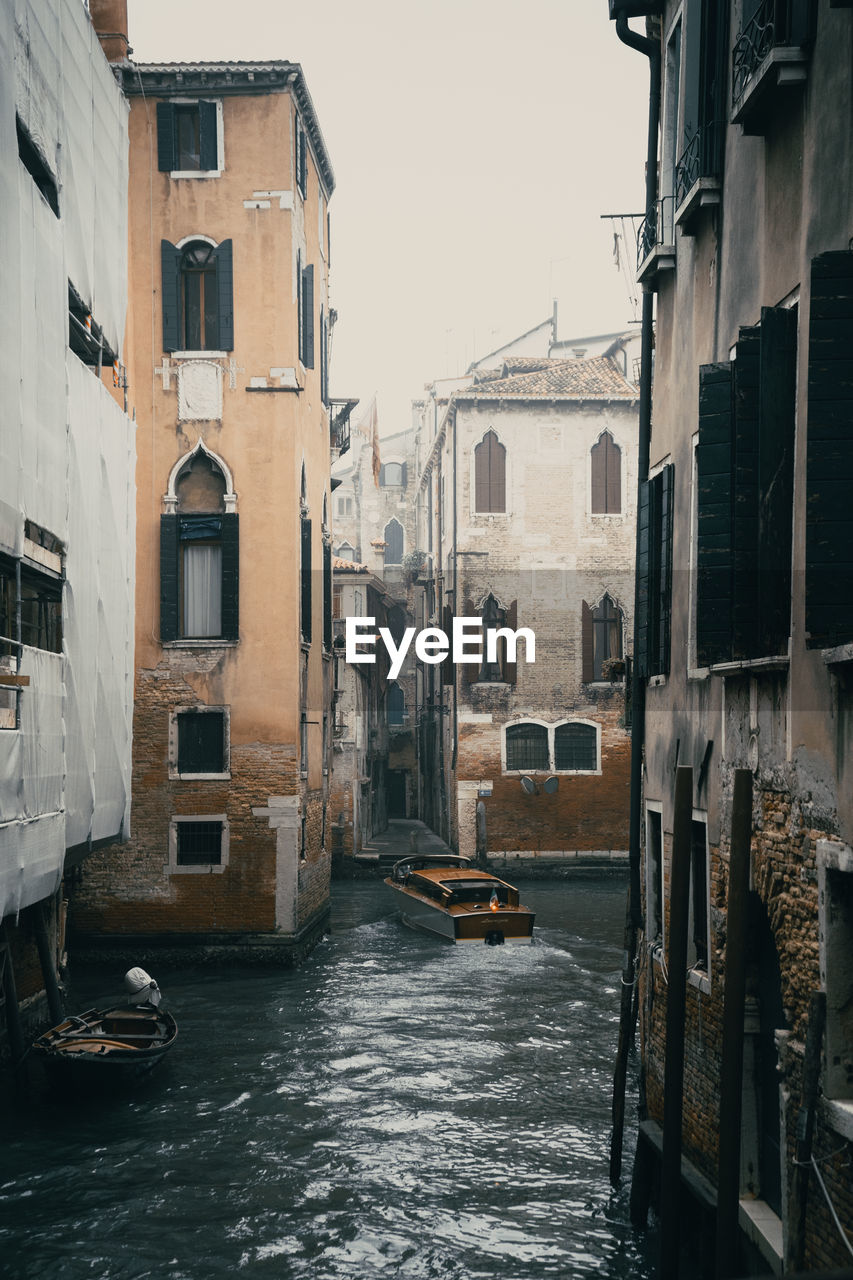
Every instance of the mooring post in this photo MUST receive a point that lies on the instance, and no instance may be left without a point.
(626, 1028)
(796, 1244)
(679, 908)
(731, 1067)
(10, 994)
(47, 959)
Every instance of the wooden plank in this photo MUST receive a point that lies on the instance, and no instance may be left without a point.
(8, 681)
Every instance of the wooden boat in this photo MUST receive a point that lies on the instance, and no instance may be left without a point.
(119, 1044)
(445, 894)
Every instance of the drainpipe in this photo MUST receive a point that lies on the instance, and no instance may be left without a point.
(634, 916)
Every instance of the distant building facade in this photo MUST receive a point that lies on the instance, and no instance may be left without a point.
(66, 487)
(229, 838)
(747, 644)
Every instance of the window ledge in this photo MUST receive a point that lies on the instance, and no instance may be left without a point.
(704, 194)
(198, 355)
(784, 66)
(763, 1227)
(778, 663)
(656, 682)
(660, 258)
(840, 654)
(195, 173)
(199, 777)
(698, 978)
(198, 644)
(200, 869)
(838, 1114)
(292, 390)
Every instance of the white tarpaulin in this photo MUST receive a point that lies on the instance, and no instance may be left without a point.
(66, 448)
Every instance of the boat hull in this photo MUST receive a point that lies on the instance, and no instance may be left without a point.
(507, 925)
(119, 1046)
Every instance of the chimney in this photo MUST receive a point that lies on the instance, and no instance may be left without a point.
(109, 18)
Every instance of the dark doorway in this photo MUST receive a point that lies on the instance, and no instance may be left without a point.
(395, 790)
(764, 984)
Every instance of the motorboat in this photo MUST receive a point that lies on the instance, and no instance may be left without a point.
(447, 895)
(119, 1044)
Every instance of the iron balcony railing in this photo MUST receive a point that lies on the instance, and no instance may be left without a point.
(655, 229)
(700, 159)
(775, 22)
(339, 425)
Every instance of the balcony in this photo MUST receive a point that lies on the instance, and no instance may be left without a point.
(656, 243)
(339, 425)
(697, 176)
(769, 55)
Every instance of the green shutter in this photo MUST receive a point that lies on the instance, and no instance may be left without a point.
(230, 577)
(587, 644)
(208, 143)
(170, 282)
(308, 316)
(745, 495)
(168, 578)
(714, 515)
(165, 137)
(643, 566)
(829, 454)
(327, 597)
(510, 669)
(305, 580)
(667, 498)
(776, 422)
(225, 294)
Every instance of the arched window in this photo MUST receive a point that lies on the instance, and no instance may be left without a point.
(346, 551)
(606, 468)
(490, 474)
(198, 306)
(576, 747)
(394, 542)
(493, 617)
(527, 746)
(392, 475)
(199, 556)
(602, 640)
(395, 704)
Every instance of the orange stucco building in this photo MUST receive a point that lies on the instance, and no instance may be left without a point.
(228, 366)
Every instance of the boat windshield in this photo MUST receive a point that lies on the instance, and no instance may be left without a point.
(476, 891)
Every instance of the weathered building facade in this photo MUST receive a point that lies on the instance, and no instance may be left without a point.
(66, 485)
(526, 488)
(229, 245)
(747, 632)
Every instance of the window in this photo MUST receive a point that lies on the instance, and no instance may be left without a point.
(654, 571)
(654, 874)
(527, 747)
(576, 748)
(606, 476)
(346, 551)
(40, 601)
(36, 166)
(85, 335)
(343, 505)
(305, 311)
(198, 303)
(392, 475)
(745, 467)
(393, 542)
(395, 704)
(697, 951)
(490, 475)
(305, 580)
(201, 746)
(300, 157)
(198, 844)
(188, 137)
(602, 641)
(303, 746)
(829, 511)
(199, 554)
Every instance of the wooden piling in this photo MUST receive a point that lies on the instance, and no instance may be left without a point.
(796, 1244)
(47, 959)
(10, 994)
(679, 908)
(731, 1067)
(620, 1074)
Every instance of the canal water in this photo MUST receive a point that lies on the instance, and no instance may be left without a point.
(397, 1107)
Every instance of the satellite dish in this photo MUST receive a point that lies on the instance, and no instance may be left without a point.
(550, 785)
(529, 786)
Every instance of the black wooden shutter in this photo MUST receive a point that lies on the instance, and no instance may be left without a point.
(327, 597)
(381, 473)
(714, 512)
(598, 477)
(613, 468)
(225, 293)
(587, 644)
(208, 142)
(230, 577)
(300, 341)
(510, 669)
(308, 317)
(446, 664)
(168, 578)
(165, 137)
(497, 474)
(170, 285)
(641, 657)
(405, 475)
(777, 416)
(667, 498)
(745, 495)
(305, 580)
(829, 455)
(469, 672)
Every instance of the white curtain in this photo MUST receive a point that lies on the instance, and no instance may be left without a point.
(202, 603)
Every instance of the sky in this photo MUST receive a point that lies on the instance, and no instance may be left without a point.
(475, 145)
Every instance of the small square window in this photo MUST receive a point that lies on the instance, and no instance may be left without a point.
(199, 844)
(201, 742)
